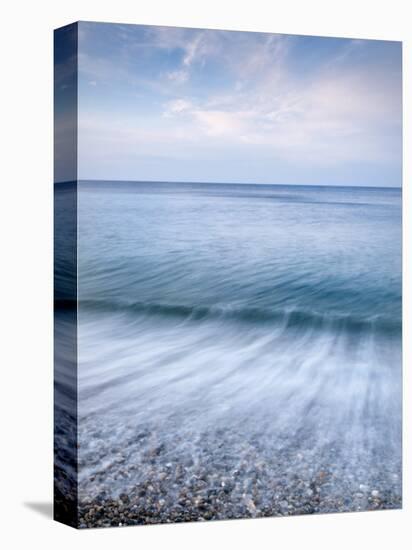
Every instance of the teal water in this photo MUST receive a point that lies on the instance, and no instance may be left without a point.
(268, 314)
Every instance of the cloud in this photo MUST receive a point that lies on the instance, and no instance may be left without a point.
(179, 77)
(177, 106)
(271, 96)
(192, 49)
(342, 117)
(224, 123)
(337, 113)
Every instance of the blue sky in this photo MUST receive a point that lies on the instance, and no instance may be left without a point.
(173, 104)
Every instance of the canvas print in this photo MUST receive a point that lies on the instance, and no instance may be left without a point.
(228, 275)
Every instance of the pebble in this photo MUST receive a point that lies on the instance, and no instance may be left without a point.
(234, 480)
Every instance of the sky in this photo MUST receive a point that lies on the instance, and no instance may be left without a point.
(175, 104)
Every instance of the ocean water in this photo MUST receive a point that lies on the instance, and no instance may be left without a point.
(239, 336)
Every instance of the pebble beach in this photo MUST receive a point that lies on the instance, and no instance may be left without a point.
(231, 480)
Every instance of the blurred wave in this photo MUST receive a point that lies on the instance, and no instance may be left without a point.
(289, 318)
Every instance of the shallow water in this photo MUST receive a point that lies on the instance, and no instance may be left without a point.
(246, 333)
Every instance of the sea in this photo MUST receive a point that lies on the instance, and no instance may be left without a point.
(243, 336)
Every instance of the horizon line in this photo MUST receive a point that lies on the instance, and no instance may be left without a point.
(229, 183)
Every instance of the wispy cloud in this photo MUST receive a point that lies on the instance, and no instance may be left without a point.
(179, 77)
(192, 49)
(343, 113)
(284, 99)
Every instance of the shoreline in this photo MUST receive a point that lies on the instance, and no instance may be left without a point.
(221, 480)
